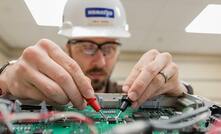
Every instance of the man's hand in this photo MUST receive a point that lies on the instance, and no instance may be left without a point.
(45, 72)
(154, 74)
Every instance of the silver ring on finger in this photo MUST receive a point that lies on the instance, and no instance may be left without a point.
(166, 78)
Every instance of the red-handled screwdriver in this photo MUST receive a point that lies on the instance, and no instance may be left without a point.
(95, 105)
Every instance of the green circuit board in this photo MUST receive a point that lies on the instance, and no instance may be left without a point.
(70, 127)
(161, 108)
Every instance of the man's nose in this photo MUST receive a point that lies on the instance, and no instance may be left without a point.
(99, 59)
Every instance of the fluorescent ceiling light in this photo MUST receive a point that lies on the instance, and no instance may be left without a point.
(46, 12)
(208, 21)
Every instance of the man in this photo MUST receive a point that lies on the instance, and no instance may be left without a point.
(45, 72)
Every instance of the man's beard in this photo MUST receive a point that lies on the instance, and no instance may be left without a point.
(97, 84)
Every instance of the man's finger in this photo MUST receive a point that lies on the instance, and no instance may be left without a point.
(152, 89)
(169, 71)
(60, 57)
(131, 78)
(147, 74)
(42, 62)
(158, 85)
(173, 87)
(27, 90)
(33, 93)
(145, 59)
(48, 87)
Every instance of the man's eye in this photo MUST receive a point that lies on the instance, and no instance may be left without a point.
(88, 46)
(109, 47)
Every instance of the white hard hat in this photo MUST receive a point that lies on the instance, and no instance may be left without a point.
(94, 18)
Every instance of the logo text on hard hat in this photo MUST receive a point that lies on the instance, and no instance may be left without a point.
(99, 12)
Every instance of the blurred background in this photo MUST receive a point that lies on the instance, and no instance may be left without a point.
(158, 24)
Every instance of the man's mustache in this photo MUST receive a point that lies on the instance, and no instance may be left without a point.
(96, 70)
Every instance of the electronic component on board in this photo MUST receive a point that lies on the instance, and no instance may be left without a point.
(112, 120)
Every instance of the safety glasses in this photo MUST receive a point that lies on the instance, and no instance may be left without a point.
(108, 48)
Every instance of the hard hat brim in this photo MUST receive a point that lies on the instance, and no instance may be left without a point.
(87, 32)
